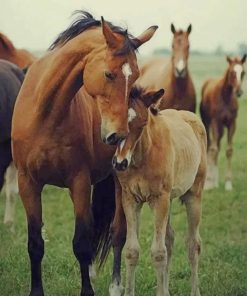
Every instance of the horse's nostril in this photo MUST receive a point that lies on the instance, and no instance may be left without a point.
(114, 161)
(112, 139)
(124, 164)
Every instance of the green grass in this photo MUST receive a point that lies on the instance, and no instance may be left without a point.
(223, 264)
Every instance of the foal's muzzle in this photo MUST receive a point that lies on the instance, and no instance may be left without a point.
(120, 166)
(180, 73)
(239, 93)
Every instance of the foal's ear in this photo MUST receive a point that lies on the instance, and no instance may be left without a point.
(243, 58)
(189, 29)
(110, 38)
(229, 60)
(173, 28)
(152, 97)
(144, 37)
(6, 43)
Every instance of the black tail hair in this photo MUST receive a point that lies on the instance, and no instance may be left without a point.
(103, 207)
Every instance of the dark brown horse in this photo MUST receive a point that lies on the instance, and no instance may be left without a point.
(20, 57)
(219, 108)
(58, 128)
(173, 74)
(11, 78)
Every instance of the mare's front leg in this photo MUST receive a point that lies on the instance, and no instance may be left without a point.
(131, 210)
(161, 206)
(229, 152)
(30, 193)
(118, 230)
(82, 242)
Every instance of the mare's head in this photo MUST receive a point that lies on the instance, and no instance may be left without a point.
(235, 73)
(180, 51)
(109, 69)
(138, 112)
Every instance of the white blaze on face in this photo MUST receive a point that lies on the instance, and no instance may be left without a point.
(180, 65)
(131, 114)
(238, 69)
(126, 72)
(122, 157)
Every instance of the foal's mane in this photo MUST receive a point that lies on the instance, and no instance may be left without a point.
(138, 92)
(85, 21)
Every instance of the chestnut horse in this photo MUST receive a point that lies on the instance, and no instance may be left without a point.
(173, 75)
(20, 57)
(58, 128)
(163, 157)
(219, 108)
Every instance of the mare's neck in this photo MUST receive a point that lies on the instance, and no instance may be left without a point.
(63, 70)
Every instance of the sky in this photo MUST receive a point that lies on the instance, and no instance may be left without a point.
(34, 24)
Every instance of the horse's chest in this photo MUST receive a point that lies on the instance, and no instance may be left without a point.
(227, 115)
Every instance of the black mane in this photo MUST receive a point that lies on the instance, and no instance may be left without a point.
(84, 21)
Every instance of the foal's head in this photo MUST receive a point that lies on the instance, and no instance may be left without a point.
(139, 104)
(180, 50)
(235, 73)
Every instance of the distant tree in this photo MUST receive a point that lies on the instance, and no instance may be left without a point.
(161, 51)
(242, 48)
(219, 51)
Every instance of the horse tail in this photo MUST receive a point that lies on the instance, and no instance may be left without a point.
(103, 208)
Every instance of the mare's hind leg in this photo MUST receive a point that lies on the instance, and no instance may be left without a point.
(192, 200)
(82, 241)
(118, 230)
(212, 180)
(31, 197)
(11, 195)
(161, 206)
(229, 152)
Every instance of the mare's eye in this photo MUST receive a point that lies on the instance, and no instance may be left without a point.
(109, 75)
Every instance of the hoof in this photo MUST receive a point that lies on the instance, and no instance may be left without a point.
(228, 185)
(37, 293)
(115, 289)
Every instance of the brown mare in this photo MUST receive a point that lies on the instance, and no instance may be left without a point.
(58, 128)
(23, 59)
(20, 57)
(172, 74)
(163, 157)
(219, 108)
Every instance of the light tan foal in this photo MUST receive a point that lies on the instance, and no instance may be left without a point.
(163, 157)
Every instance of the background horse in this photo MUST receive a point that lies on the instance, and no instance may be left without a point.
(60, 141)
(11, 78)
(174, 143)
(219, 108)
(20, 57)
(173, 74)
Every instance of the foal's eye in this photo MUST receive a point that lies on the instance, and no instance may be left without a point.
(109, 75)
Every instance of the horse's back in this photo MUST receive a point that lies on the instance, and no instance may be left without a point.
(152, 73)
(11, 78)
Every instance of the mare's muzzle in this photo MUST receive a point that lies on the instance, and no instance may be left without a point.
(114, 138)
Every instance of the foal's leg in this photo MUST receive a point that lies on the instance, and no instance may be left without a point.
(31, 197)
(229, 152)
(11, 195)
(192, 201)
(131, 209)
(82, 241)
(212, 180)
(169, 241)
(118, 240)
(161, 207)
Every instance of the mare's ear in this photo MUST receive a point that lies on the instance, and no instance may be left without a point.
(189, 29)
(243, 58)
(173, 28)
(229, 60)
(144, 37)
(110, 38)
(153, 97)
(6, 43)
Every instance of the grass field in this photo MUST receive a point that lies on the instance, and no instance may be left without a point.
(223, 264)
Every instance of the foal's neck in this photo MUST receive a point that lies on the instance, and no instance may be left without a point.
(227, 89)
